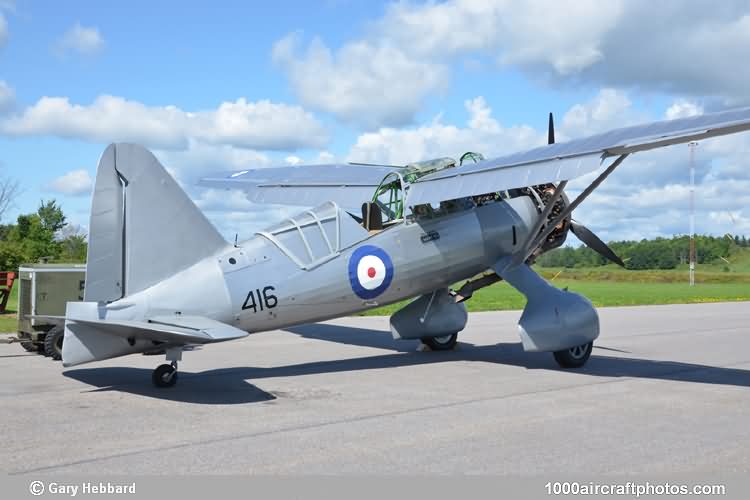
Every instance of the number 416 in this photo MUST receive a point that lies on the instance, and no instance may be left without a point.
(265, 299)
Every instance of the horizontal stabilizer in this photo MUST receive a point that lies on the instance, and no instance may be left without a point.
(188, 330)
(88, 338)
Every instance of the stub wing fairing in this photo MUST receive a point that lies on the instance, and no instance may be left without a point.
(350, 185)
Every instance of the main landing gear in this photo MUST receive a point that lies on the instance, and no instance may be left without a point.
(575, 357)
(444, 343)
(166, 375)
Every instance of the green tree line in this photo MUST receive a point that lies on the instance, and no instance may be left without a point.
(659, 253)
(44, 234)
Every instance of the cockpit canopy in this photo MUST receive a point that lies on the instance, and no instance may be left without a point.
(390, 195)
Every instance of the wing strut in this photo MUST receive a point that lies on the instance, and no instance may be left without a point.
(535, 242)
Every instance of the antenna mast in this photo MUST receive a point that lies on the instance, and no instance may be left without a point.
(691, 147)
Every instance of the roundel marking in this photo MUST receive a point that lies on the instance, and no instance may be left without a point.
(370, 271)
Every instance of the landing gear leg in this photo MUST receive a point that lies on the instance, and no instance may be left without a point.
(166, 375)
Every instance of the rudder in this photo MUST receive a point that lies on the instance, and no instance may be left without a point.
(143, 227)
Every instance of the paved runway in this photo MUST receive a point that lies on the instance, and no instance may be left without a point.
(667, 390)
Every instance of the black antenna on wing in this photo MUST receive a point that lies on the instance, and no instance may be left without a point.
(551, 131)
(584, 234)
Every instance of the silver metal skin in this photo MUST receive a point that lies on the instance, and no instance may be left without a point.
(275, 279)
(159, 275)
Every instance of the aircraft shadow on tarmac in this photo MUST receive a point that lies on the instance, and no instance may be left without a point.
(514, 355)
(192, 387)
(230, 386)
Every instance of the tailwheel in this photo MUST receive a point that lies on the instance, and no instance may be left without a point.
(165, 375)
(575, 357)
(444, 343)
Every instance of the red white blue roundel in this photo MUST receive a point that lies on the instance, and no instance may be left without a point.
(370, 271)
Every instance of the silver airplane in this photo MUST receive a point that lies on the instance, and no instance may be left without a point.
(161, 278)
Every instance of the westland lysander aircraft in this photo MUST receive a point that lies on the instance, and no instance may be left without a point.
(161, 278)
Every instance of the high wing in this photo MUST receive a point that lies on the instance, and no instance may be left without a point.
(350, 184)
(568, 160)
(308, 185)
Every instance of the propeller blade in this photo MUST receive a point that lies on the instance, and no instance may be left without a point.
(594, 243)
(551, 131)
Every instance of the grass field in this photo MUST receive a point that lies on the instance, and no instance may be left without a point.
(9, 320)
(612, 286)
(604, 286)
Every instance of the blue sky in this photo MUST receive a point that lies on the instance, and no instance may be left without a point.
(231, 85)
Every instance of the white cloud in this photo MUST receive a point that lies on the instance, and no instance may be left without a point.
(325, 157)
(260, 125)
(384, 77)
(365, 83)
(74, 183)
(7, 97)
(200, 160)
(682, 108)
(692, 50)
(81, 39)
(608, 109)
(233, 214)
(663, 46)
(564, 35)
(107, 119)
(482, 134)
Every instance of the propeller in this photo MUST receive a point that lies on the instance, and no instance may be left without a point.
(583, 233)
(592, 241)
(551, 131)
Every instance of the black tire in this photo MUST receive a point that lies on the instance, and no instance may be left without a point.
(445, 343)
(53, 342)
(164, 376)
(30, 346)
(575, 357)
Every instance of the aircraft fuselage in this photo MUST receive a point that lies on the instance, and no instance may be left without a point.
(256, 286)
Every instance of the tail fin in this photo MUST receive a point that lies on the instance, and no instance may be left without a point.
(143, 227)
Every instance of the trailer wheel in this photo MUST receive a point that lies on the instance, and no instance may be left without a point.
(53, 343)
(30, 346)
